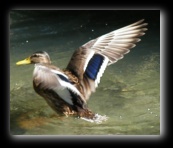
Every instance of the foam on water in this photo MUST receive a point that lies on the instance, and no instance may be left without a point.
(97, 119)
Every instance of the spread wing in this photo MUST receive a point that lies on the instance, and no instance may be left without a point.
(90, 60)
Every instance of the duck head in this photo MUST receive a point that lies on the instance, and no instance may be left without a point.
(37, 57)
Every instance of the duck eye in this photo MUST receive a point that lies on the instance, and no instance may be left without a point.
(35, 55)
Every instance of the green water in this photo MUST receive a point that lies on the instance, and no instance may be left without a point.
(129, 91)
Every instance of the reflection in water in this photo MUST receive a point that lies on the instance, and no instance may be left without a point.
(129, 92)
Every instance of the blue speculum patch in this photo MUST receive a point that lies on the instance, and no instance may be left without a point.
(63, 78)
(94, 66)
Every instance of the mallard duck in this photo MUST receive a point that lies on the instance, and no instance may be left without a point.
(67, 91)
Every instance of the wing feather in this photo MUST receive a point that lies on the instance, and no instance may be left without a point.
(46, 78)
(112, 46)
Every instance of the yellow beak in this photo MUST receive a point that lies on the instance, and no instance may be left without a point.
(23, 62)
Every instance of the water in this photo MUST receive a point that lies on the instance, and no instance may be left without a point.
(129, 92)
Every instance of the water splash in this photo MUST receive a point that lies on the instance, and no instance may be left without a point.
(97, 119)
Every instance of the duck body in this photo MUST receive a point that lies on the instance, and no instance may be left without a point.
(67, 91)
(61, 90)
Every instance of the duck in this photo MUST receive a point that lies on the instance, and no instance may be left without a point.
(68, 90)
